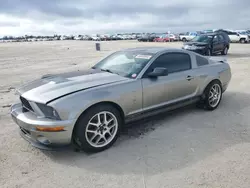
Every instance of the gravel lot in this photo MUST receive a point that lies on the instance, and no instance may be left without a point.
(182, 149)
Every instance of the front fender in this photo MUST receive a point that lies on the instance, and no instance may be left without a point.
(127, 95)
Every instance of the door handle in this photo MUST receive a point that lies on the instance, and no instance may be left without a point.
(190, 78)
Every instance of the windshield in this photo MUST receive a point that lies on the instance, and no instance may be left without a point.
(127, 64)
(202, 38)
(243, 33)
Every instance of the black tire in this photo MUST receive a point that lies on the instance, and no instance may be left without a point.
(184, 40)
(79, 139)
(208, 52)
(204, 102)
(242, 41)
(225, 50)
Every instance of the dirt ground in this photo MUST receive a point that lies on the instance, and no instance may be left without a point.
(185, 149)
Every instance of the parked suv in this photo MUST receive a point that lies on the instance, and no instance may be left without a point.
(188, 36)
(233, 36)
(244, 36)
(173, 37)
(236, 36)
(208, 44)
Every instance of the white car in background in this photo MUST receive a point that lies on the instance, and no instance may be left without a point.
(244, 35)
(63, 37)
(236, 36)
(173, 37)
(188, 36)
(133, 37)
(95, 37)
(78, 37)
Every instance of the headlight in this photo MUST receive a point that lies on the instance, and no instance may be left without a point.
(193, 47)
(48, 111)
(200, 47)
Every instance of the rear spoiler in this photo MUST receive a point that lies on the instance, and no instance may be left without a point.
(219, 59)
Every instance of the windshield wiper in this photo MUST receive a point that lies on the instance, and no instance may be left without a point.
(108, 70)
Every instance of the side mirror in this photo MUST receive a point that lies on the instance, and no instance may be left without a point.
(158, 71)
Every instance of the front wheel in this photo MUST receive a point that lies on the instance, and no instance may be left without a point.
(97, 129)
(225, 51)
(208, 52)
(212, 96)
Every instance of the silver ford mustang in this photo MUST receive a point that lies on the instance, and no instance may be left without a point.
(88, 108)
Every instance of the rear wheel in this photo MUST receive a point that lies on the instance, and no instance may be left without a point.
(97, 129)
(212, 96)
(225, 51)
(242, 41)
(184, 40)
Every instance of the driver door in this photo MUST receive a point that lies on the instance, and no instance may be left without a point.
(216, 44)
(180, 83)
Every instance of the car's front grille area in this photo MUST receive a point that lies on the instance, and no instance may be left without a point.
(25, 131)
(26, 105)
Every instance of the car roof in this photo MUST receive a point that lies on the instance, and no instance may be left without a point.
(152, 50)
(210, 34)
(215, 33)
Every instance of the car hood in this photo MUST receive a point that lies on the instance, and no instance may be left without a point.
(196, 43)
(51, 87)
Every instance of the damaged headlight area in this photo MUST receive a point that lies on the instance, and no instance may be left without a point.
(48, 111)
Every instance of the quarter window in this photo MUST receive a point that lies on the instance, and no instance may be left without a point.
(174, 62)
(201, 61)
(221, 38)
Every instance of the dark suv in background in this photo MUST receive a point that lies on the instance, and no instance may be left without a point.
(209, 44)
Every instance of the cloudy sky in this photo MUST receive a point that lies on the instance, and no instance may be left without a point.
(46, 17)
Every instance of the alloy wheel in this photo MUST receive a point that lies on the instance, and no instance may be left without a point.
(101, 129)
(225, 51)
(214, 95)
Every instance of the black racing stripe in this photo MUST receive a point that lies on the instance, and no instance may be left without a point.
(30, 85)
(73, 74)
(55, 77)
(81, 90)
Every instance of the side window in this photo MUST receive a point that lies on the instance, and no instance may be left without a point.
(201, 61)
(215, 38)
(221, 38)
(174, 62)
